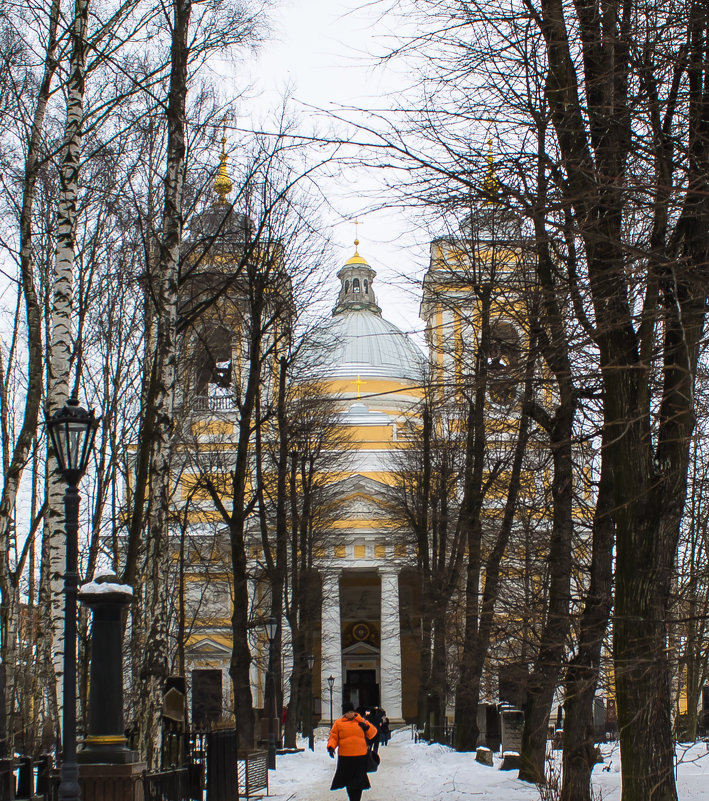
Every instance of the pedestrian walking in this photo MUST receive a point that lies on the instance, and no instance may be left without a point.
(384, 730)
(376, 720)
(349, 735)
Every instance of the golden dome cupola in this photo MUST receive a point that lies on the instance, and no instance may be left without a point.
(222, 183)
(356, 292)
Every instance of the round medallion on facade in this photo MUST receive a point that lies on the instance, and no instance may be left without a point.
(361, 632)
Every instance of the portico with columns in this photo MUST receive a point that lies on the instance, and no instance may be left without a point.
(361, 639)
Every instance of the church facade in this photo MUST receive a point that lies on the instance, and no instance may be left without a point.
(373, 373)
(365, 641)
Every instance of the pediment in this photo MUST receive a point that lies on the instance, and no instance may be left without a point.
(360, 649)
(360, 485)
(360, 498)
(207, 647)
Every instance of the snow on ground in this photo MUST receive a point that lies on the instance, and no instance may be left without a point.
(420, 772)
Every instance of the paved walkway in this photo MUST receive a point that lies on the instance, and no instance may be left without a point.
(420, 772)
(408, 772)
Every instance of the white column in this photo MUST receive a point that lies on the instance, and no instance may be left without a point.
(256, 671)
(331, 662)
(390, 673)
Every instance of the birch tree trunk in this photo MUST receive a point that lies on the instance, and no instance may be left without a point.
(60, 347)
(165, 286)
(18, 459)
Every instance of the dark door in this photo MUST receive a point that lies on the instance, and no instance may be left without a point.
(206, 697)
(361, 688)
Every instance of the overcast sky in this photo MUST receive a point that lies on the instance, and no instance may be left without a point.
(325, 50)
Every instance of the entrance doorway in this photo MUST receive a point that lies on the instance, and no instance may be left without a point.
(361, 688)
(206, 697)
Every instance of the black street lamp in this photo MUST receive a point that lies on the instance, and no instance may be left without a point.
(330, 684)
(72, 430)
(310, 659)
(271, 627)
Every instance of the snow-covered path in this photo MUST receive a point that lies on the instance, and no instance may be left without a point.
(419, 772)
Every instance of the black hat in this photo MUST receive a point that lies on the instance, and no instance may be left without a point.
(348, 706)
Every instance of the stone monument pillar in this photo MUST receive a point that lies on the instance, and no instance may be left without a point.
(108, 768)
(106, 740)
(390, 684)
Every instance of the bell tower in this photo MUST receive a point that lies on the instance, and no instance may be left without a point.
(356, 292)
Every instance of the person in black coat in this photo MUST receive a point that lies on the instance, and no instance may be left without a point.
(376, 720)
(384, 730)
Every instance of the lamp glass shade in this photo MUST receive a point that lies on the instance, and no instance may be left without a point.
(270, 626)
(330, 681)
(310, 659)
(72, 430)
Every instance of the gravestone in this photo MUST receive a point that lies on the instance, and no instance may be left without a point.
(511, 724)
(483, 756)
(511, 761)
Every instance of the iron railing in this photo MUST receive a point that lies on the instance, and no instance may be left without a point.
(216, 403)
(253, 773)
(434, 734)
(7, 780)
(167, 785)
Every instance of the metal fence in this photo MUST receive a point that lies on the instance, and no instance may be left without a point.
(7, 780)
(213, 765)
(222, 782)
(434, 734)
(168, 785)
(253, 774)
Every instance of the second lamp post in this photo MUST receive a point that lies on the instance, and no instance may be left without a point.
(331, 684)
(310, 660)
(271, 627)
(72, 430)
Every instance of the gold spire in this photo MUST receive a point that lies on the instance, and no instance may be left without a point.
(356, 241)
(356, 259)
(491, 186)
(222, 183)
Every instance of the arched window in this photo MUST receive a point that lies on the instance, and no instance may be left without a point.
(347, 287)
(214, 368)
(366, 287)
(355, 285)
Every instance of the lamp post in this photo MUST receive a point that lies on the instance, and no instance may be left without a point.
(330, 684)
(271, 627)
(310, 659)
(72, 430)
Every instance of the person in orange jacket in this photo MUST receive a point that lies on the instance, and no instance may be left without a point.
(349, 735)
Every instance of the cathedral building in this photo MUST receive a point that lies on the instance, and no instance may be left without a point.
(373, 372)
(365, 637)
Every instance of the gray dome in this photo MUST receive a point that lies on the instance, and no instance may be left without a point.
(361, 342)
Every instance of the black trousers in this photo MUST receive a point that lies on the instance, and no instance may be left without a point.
(354, 795)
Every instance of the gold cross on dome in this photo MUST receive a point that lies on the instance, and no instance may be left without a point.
(359, 384)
